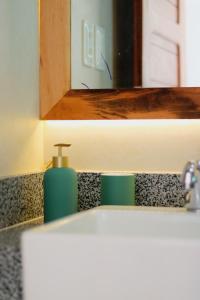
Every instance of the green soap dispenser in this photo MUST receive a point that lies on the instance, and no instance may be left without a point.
(60, 188)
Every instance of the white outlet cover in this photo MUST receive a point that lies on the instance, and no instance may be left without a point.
(100, 48)
(88, 44)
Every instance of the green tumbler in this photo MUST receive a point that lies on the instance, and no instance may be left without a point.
(117, 189)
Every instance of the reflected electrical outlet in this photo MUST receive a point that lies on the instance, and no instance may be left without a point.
(100, 48)
(88, 44)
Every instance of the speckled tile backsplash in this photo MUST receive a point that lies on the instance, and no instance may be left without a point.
(151, 190)
(159, 190)
(21, 198)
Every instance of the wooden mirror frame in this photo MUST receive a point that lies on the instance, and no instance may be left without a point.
(59, 102)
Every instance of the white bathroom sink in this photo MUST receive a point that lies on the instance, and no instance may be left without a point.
(114, 253)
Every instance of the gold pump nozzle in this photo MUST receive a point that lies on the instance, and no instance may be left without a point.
(60, 161)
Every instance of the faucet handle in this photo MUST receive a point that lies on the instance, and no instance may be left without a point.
(188, 177)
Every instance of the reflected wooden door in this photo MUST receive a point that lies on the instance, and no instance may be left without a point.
(163, 43)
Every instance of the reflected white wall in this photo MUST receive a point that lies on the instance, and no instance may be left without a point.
(97, 12)
(192, 34)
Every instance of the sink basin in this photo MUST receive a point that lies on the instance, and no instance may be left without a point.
(114, 253)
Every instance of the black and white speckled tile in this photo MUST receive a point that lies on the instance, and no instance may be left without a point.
(21, 199)
(10, 274)
(159, 190)
(11, 262)
(88, 190)
(151, 190)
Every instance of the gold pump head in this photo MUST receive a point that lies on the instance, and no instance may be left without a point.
(60, 161)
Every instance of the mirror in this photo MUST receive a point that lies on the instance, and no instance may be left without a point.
(59, 101)
(135, 43)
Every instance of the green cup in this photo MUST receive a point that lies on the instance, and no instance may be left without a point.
(117, 189)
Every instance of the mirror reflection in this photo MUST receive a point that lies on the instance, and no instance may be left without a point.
(135, 43)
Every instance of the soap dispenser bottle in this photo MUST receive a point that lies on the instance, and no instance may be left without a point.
(60, 188)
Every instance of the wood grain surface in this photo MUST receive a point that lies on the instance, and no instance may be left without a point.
(55, 49)
(160, 103)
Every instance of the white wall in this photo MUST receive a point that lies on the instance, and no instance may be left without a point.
(139, 146)
(97, 12)
(21, 134)
(192, 34)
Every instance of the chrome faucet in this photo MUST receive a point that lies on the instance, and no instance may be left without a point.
(191, 181)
